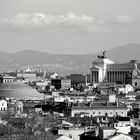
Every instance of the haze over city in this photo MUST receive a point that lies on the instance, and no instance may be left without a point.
(68, 26)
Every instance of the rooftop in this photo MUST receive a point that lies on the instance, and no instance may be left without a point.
(99, 105)
(123, 118)
(19, 91)
(111, 66)
(123, 66)
(92, 94)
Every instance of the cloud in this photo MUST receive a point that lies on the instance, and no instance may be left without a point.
(123, 19)
(41, 21)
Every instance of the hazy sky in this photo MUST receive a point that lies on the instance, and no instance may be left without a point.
(68, 26)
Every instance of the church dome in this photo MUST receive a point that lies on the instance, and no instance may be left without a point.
(19, 91)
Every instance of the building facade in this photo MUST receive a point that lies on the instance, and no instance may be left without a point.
(6, 78)
(100, 109)
(3, 105)
(106, 70)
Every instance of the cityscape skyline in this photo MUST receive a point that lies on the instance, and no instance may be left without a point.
(69, 70)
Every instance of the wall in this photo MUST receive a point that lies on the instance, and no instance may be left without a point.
(106, 132)
(136, 80)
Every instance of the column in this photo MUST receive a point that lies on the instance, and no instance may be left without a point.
(117, 79)
(92, 78)
(114, 76)
(95, 76)
(123, 76)
(118, 75)
(110, 76)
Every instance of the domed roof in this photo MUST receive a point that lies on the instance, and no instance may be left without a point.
(19, 91)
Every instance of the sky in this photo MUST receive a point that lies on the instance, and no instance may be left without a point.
(68, 26)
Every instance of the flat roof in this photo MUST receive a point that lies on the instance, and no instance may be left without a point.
(99, 105)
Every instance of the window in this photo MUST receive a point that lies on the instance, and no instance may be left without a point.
(104, 118)
(2, 104)
(136, 83)
(99, 112)
(135, 124)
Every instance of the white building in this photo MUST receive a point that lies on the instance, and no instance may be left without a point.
(100, 109)
(74, 133)
(3, 105)
(106, 70)
(6, 78)
(109, 133)
(98, 70)
(125, 89)
(60, 99)
(54, 75)
(123, 125)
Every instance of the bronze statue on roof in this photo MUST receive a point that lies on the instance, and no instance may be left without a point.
(133, 61)
(103, 55)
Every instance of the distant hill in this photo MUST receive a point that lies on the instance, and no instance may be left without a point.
(64, 63)
(125, 53)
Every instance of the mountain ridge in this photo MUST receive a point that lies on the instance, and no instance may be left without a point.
(65, 63)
